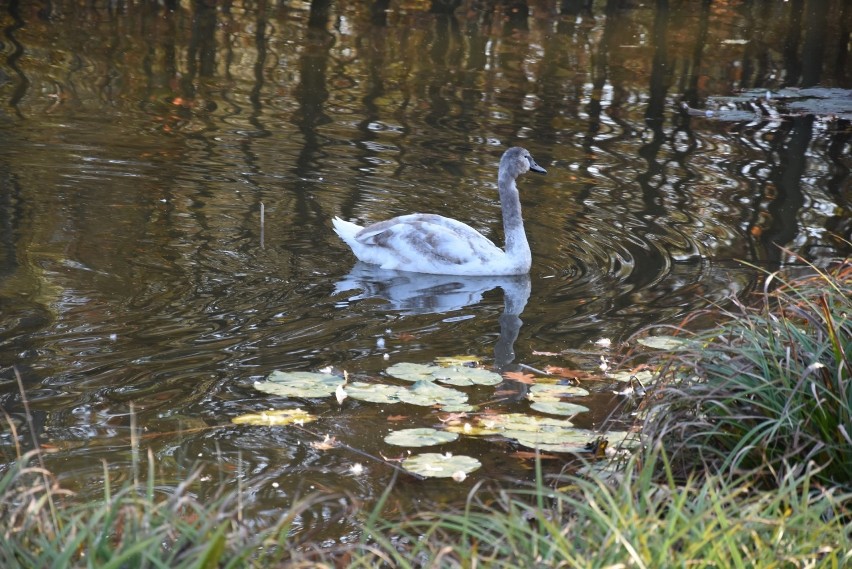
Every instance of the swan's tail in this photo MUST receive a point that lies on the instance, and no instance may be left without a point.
(346, 230)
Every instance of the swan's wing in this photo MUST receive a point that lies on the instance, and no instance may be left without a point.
(435, 239)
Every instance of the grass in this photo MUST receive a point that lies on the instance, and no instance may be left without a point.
(745, 463)
(768, 391)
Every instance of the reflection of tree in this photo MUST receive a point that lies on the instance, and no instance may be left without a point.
(786, 199)
(16, 53)
(312, 95)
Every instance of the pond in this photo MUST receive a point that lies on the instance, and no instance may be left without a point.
(169, 172)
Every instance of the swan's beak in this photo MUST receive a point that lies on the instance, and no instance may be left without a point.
(535, 167)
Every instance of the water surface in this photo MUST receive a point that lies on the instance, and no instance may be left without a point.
(139, 144)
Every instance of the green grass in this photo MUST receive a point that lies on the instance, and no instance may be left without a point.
(639, 521)
(768, 391)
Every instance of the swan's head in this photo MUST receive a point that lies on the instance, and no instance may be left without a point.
(517, 161)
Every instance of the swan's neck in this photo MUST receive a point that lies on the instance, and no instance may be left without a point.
(517, 246)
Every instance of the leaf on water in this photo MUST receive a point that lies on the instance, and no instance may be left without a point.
(663, 343)
(458, 375)
(555, 391)
(275, 418)
(422, 437)
(473, 429)
(426, 394)
(397, 418)
(299, 384)
(577, 442)
(520, 377)
(326, 444)
(463, 376)
(434, 465)
(645, 377)
(527, 455)
(452, 418)
(558, 408)
(569, 373)
(411, 372)
(461, 360)
(374, 392)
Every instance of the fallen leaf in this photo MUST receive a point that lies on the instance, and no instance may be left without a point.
(451, 417)
(520, 377)
(568, 373)
(325, 444)
(405, 337)
(395, 418)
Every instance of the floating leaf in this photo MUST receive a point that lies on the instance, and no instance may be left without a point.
(573, 440)
(520, 377)
(555, 391)
(326, 444)
(275, 418)
(434, 465)
(558, 407)
(645, 377)
(568, 373)
(665, 343)
(426, 393)
(454, 361)
(411, 372)
(423, 437)
(299, 384)
(576, 441)
(457, 375)
(463, 376)
(374, 392)
(473, 429)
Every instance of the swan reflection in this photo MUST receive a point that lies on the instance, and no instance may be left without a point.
(420, 293)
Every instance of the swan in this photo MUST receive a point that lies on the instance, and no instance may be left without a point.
(434, 244)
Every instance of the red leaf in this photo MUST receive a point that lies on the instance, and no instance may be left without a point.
(520, 377)
(568, 373)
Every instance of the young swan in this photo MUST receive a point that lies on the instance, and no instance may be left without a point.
(428, 243)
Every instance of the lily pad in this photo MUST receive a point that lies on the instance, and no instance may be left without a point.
(457, 361)
(554, 392)
(426, 394)
(411, 372)
(463, 376)
(420, 437)
(434, 465)
(299, 384)
(558, 407)
(573, 441)
(374, 392)
(454, 375)
(664, 343)
(645, 377)
(275, 418)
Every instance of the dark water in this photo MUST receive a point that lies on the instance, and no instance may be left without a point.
(138, 144)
